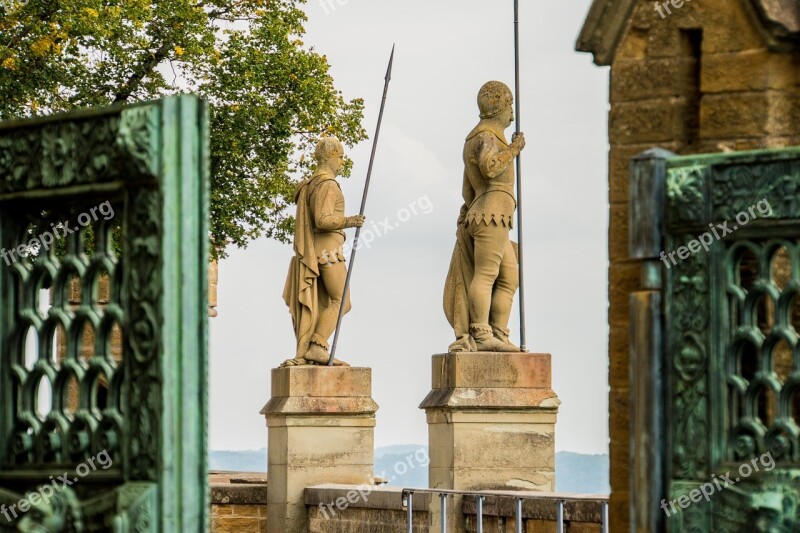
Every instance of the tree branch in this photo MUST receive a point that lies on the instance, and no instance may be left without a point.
(145, 68)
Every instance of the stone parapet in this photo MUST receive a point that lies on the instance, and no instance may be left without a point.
(321, 423)
(238, 502)
(355, 509)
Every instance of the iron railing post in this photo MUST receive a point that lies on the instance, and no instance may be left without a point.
(480, 514)
(443, 499)
(560, 516)
(410, 512)
(518, 512)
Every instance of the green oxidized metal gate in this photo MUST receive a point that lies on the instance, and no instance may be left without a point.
(715, 362)
(103, 317)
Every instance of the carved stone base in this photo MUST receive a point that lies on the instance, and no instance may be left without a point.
(321, 424)
(491, 422)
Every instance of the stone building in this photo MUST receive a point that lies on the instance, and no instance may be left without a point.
(691, 77)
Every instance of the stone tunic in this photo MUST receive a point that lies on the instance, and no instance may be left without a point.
(327, 213)
(488, 179)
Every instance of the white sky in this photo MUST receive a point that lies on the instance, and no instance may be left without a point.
(446, 49)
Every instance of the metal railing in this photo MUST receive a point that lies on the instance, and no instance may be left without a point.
(408, 505)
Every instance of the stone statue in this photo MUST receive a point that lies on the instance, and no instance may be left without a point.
(484, 271)
(317, 272)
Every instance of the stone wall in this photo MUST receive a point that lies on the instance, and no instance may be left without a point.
(238, 502)
(350, 509)
(698, 80)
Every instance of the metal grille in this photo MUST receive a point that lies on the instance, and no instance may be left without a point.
(67, 325)
(761, 366)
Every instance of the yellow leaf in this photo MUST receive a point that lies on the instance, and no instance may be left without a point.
(10, 63)
(41, 46)
(91, 12)
(178, 51)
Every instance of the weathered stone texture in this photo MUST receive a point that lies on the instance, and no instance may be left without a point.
(635, 79)
(363, 521)
(740, 95)
(321, 424)
(379, 510)
(648, 121)
(238, 502)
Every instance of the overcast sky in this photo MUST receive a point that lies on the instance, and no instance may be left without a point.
(446, 49)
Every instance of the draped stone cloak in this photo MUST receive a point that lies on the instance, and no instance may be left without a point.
(303, 293)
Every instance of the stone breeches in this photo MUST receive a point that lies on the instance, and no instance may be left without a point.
(328, 247)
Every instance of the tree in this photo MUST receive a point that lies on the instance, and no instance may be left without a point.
(271, 96)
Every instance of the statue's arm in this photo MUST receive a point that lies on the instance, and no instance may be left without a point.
(494, 158)
(325, 216)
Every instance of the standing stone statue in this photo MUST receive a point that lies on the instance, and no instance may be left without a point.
(317, 272)
(484, 270)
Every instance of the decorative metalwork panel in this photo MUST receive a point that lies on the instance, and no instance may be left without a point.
(688, 300)
(68, 401)
(103, 228)
(732, 224)
(761, 367)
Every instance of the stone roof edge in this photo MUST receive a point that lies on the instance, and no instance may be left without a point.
(605, 24)
(603, 29)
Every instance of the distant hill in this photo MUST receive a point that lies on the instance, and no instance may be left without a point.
(239, 461)
(406, 465)
(582, 474)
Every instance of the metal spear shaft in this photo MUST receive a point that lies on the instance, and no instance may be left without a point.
(363, 207)
(522, 340)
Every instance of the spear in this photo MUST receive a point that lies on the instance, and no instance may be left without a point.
(522, 344)
(387, 79)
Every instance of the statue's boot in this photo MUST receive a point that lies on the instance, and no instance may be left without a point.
(486, 341)
(502, 334)
(318, 354)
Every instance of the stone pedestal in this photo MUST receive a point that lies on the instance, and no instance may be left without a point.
(491, 423)
(321, 424)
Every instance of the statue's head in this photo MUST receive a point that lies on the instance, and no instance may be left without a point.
(330, 152)
(495, 100)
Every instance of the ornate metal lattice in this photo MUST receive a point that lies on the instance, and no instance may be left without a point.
(732, 320)
(103, 331)
(762, 370)
(67, 324)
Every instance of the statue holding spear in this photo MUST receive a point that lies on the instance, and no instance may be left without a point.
(484, 270)
(318, 285)
(487, 267)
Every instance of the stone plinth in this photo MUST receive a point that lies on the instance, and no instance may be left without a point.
(491, 422)
(321, 424)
